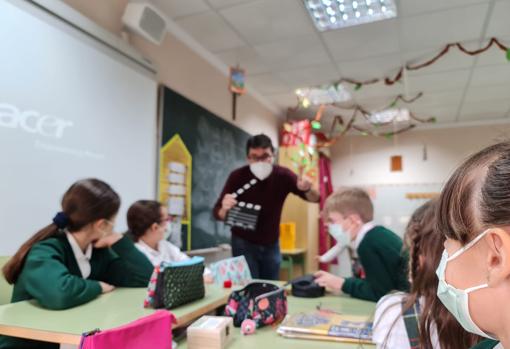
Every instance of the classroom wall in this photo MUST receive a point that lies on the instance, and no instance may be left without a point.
(365, 160)
(181, 69)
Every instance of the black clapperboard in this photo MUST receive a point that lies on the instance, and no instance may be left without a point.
(244, 215)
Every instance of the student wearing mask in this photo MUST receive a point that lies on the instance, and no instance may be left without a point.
(379, 250)
(76, 257)
(148, 225)
(418, 319)
(474, 271)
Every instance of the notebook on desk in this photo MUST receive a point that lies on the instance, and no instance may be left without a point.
(329, 326)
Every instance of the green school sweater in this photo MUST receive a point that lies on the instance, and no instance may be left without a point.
(486, 344)
(51, 276)
(380, 254)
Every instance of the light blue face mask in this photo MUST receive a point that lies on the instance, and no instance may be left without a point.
(339, 234)
(455, 300)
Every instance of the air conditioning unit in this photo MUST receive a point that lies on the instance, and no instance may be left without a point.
(145, 20)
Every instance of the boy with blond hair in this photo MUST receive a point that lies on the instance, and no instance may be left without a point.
(350, 212)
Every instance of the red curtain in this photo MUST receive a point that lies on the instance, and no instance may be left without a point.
(325, 189)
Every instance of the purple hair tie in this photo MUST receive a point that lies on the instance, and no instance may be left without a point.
(61, 220)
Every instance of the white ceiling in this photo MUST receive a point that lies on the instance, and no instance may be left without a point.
(281, 50)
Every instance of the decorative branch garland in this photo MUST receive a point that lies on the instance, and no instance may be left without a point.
(390, 81)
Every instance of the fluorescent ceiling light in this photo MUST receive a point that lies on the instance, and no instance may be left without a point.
(336, 14)
(328, 95)
(389, 115)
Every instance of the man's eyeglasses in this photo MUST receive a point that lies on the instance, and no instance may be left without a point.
(263, 157)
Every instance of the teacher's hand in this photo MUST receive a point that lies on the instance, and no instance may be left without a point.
(303, 184)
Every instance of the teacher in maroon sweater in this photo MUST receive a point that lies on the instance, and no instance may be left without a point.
(261, 247)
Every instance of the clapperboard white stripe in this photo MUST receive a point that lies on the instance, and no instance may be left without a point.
(244, 215)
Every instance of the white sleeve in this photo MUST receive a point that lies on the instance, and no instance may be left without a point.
(389, 329)
(332, 253)
(176, 255)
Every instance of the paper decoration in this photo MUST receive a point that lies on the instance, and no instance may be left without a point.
(176, 206)
(237, 81)
(396, 163)
(177, 190)
(388, 81)
(177, 167)
(176, 178)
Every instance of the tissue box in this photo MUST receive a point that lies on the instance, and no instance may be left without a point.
(210, 332)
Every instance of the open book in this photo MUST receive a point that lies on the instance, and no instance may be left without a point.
(325, 325)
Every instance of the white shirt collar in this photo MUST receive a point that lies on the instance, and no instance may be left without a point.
(365, 228)
(83, 259)
(149, 249)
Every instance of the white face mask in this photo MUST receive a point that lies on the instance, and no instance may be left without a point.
(455, 300)
(261, 170)
(339, 234)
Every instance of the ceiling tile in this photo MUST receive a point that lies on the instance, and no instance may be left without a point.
(434, 99)
(293, 53)
(211, 31)
(217, 4)
(309, 76)
(491, 75)
(364, 41)
(247, 58)
(268, 84)
(413, 7)
(439, 28)
(378, 90)
(284, 100)
(180, 8)
(477, 94)
(499, 25)
(370, 68)
(268, 20)
(438, 81)
(484, 110)
(452, 60)
(442, 113)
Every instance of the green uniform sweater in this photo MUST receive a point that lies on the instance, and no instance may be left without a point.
(486, 344)
(51, 276)
(380, 254)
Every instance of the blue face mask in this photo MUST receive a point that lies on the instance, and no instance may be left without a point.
(455, 300)
(339, 234)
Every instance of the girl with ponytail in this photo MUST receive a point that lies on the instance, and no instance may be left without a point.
(76, 257)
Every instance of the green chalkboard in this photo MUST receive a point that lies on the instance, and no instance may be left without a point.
(217, 147)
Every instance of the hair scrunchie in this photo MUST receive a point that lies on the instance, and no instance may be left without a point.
(61, 220)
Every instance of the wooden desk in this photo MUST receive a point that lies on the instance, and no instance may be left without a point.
(28, 319)
(267, 337)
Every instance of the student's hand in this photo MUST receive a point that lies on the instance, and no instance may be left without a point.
(105, 288)
(228, 202)
(330, 281)
(317, 258)
(303, 184)
(108, 240)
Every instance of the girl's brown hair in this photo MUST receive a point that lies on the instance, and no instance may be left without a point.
(85, 202)
(423, 240)
(477, 195)
(141, 215)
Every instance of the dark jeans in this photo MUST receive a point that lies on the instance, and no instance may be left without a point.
(264, 261)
